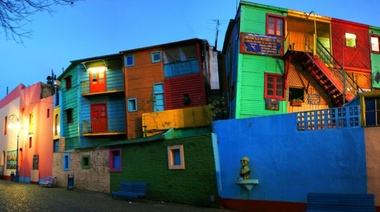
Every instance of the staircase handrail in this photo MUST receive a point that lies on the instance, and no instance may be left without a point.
(328, 58)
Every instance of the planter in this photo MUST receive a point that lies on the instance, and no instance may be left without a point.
(296, 104)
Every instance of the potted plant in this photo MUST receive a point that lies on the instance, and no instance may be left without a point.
(296, 102)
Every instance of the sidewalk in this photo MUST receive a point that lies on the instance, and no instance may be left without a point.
(31, 197)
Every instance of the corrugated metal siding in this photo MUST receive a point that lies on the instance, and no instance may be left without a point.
(251, 86)
(176, 87)
(253, 19)
(375, 69)
(139, 80)
(300, 40)
(358, 57)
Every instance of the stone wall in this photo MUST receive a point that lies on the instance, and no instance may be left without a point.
(95, 178)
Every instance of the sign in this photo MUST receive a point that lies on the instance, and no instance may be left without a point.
(271, 104)
(314, 99)
(11, 159)
(261, 44)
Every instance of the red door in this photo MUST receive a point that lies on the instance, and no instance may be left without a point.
(99, 118)
(97, 79)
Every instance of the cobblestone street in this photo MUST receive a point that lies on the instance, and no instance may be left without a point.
(31, 197)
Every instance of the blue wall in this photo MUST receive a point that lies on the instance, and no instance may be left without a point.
(289, 163)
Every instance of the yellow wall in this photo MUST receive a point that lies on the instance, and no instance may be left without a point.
(181, 118)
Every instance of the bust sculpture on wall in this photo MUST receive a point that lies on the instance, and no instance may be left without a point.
(244, 170)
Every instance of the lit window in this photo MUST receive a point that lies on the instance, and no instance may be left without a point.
(115, 160)
(156, 57)
(132, 104)
(56, 124)
(274, 86)
(176, 157)
(129, 60)
(375, 44)
(350, 40)
(275, 25)
(85, 162)
(68, 82)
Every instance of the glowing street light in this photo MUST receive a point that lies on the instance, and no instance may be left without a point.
(14, 123)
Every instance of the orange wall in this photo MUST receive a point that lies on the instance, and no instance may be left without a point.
(139, 80)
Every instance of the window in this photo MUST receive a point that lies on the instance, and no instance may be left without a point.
(372, 111)
(31, 123)
(350, 40)
(56, 145)
(132, 104)
(176, 158)
(69, 116)
(68, 82)
(48, 113)
(156, 57)
(158, 97)
(115, 160)
(5, 125)
(66, 161)
(56, 124)
(129, 60)
(375, 44)
(296, 94)
(274, 86)
(275, 25)
(30, 142)
(85, 162)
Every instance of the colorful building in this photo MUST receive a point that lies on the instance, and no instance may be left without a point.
(26, 138)
(168, 76)
(287, 61)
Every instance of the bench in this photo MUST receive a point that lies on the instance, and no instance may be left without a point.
(49, 181)
(130, 190)
(340, 202)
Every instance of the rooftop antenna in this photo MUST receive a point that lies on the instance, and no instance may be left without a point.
(217, 33)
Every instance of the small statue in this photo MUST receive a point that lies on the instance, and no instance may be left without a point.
(244, 171)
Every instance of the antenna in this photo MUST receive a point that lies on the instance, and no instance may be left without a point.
(217, 33)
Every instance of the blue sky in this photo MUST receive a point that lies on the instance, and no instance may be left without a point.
(101, 27)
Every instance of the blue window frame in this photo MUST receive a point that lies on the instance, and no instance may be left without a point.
(156, 56)
(66, 161)
(115, 160)
(132, 104)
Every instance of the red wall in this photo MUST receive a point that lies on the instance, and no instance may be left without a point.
(354, 58)
(176, 87)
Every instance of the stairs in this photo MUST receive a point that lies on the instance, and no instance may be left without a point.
(328, 74)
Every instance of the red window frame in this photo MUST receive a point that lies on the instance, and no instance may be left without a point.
(274, 87)
(277, 27)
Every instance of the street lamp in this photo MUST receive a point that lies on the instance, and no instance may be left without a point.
(14, 123)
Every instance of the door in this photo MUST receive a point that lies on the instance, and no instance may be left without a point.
(97, 79)
(158, 95)
(99, 118)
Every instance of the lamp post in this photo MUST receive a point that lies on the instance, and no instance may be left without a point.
(15, 123)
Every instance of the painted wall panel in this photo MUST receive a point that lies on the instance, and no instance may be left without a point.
(139, 80)
(251, 84)
(375, 58)
(372, 135)
(352, 57)
(289, 163)
(177, 87)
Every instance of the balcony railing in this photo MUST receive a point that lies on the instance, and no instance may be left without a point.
(110, 90)
(103, 127)
(342, 117)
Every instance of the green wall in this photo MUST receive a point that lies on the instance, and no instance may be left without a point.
(375, 59)
(148, 162)
(250, 100)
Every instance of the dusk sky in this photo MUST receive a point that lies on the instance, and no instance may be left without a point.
(100, 27)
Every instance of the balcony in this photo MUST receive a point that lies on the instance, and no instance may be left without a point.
(103, 127)
(115, 89)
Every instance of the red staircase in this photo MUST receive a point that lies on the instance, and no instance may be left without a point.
(330, 81)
